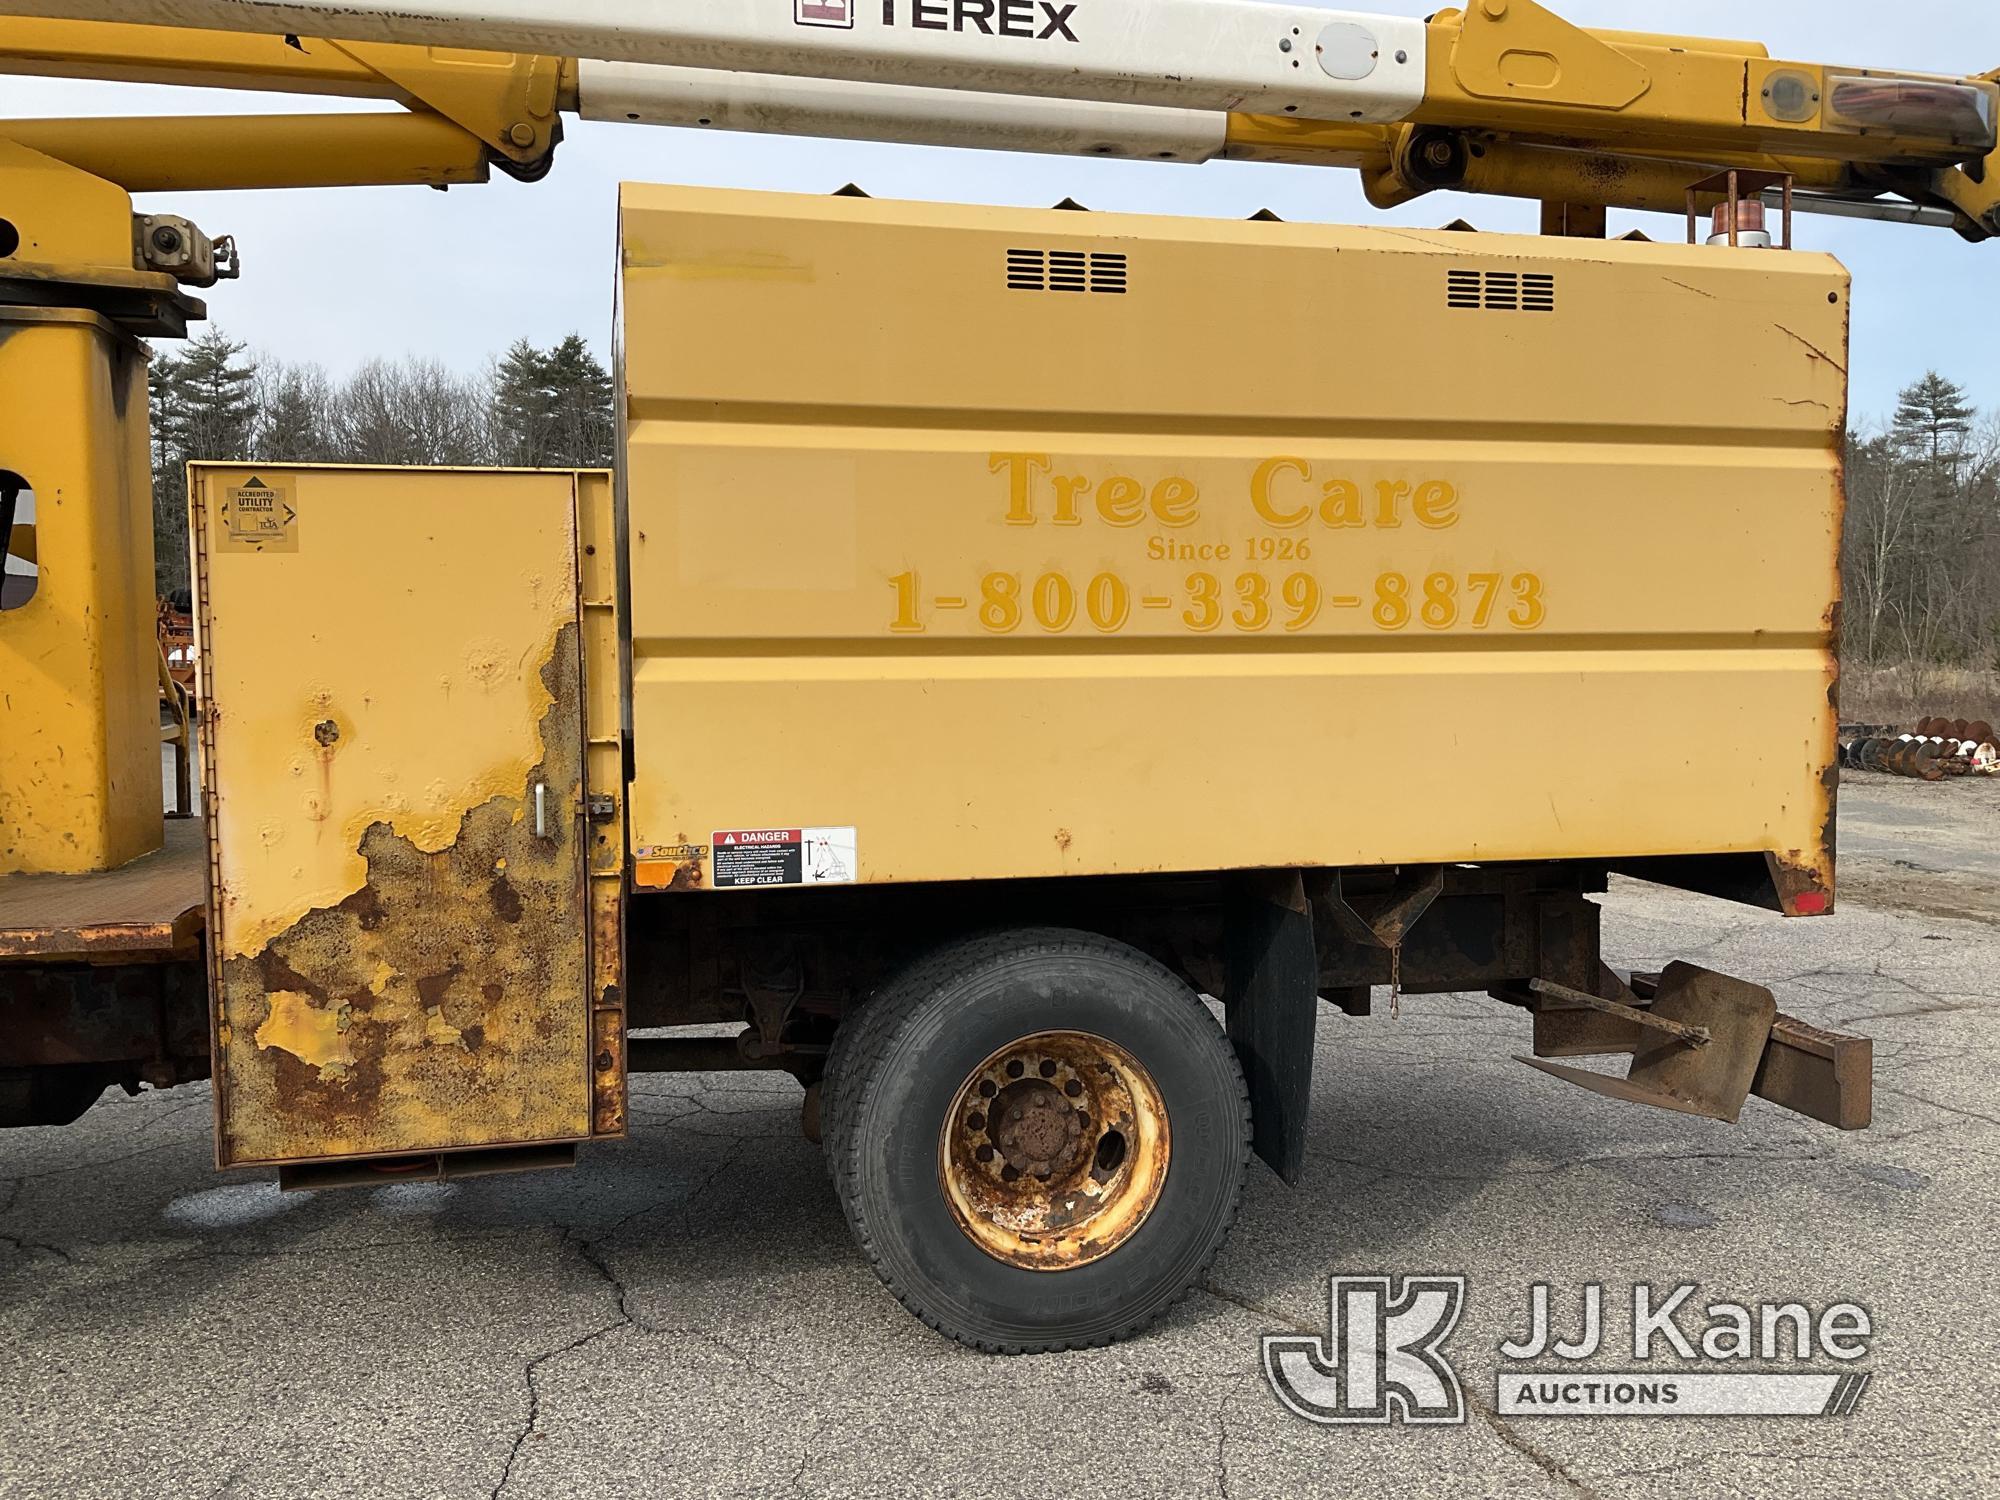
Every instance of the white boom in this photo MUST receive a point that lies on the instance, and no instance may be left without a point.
(766, 104)
(1201, 55)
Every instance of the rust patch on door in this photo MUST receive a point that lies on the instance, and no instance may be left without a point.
(444, 1004)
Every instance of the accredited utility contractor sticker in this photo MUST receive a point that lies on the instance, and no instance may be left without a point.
(259, 517)
(748, 857)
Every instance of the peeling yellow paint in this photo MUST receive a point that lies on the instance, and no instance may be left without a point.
(311, 1033)
(461, 987)
(417, 902)
(473, 747)
(438, 1031)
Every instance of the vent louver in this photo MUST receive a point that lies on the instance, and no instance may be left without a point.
(1501, 291)
(1068, 271)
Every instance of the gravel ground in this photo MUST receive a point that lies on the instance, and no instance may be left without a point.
(684, 1314)
(1921, 846)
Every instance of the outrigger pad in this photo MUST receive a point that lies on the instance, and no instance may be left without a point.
(1712, 1079)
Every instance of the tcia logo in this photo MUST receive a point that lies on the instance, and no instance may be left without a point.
(824, 13)
(1036, 20)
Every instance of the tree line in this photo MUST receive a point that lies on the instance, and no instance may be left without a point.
(1921, 561)
(216, 399)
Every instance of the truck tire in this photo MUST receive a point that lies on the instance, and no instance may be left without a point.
(1039, 1139)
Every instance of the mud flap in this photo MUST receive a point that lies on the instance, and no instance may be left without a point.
(1272, 1007)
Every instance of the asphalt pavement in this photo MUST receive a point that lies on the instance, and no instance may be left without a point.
(684, 1314)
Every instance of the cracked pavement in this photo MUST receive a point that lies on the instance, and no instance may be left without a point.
(684, 1313)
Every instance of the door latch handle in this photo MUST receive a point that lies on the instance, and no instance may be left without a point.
(541, 809)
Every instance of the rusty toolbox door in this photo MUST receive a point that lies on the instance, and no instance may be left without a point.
(394, 786)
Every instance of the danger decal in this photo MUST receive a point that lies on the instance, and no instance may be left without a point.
(746, 858)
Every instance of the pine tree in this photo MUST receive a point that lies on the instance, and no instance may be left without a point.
(1933, 419)
(215, 408)
(554, 409)
(203, 407)
(522, 413)
(581, 393)
(163, 388)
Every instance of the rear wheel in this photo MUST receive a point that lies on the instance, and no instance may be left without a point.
(1040, 1139)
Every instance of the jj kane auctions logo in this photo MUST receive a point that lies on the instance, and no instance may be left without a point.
(1383, 1358)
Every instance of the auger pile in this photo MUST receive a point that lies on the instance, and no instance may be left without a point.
(1934, 750)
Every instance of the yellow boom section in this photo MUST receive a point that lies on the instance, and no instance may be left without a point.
(499, 106)
(1513, 101)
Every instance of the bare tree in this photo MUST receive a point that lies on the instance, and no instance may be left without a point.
(413, 411)
(1921, 560)
(295, 414)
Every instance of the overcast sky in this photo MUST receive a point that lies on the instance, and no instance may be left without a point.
(338, 276)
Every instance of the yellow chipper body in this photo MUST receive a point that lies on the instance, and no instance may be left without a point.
(1050, 544)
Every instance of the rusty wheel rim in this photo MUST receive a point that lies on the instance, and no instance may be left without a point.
(1054, 1151)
